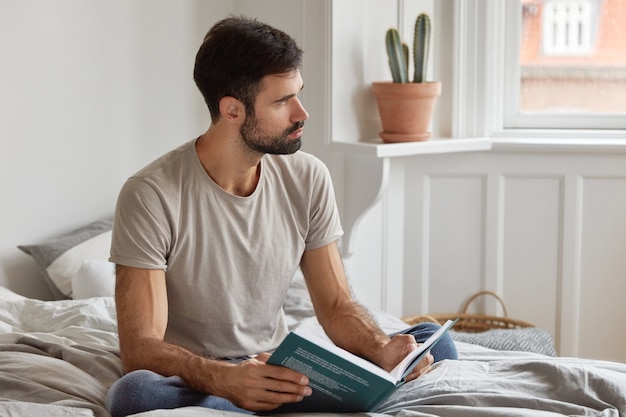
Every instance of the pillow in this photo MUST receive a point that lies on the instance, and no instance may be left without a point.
(60, 258)
(94, 278)
(529, 339)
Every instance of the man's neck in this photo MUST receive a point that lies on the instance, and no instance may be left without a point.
(235, 171)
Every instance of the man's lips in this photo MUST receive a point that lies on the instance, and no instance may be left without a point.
(297, 129)
(296, 133)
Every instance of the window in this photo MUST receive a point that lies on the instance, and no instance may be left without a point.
(572, 65)
(540, 65)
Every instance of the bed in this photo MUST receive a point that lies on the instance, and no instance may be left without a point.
(58, 358)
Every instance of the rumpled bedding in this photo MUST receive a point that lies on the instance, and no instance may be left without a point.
(59, 358)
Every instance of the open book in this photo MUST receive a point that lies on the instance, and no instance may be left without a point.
(340, 380)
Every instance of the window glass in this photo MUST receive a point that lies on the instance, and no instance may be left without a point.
(573, 57)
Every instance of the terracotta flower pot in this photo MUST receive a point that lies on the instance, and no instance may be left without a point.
(406, 109)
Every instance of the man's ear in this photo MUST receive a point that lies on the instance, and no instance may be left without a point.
(232, 109)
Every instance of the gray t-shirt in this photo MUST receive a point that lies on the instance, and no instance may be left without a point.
(228, 259)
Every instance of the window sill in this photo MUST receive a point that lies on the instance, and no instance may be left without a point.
(559, 145)
(375, 148)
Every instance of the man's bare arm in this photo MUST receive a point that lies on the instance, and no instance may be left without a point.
(346, 322)
(142, 310)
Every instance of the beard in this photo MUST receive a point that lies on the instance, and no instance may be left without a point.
(262, 142)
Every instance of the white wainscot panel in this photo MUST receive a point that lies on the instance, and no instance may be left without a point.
(542, 225)
(454, 207)
(602, 333)
(531, 250)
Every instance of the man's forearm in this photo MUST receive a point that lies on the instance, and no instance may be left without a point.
(198, 372)
(353, 328)
(347, 323)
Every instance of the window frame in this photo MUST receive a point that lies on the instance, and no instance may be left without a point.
(486, 60)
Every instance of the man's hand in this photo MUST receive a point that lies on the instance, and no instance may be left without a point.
(397, 349)
(257, 386)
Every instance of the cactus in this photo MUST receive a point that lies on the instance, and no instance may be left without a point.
(421, 47)
(398, 57)
(398, 52)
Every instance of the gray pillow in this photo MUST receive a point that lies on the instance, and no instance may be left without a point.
(530, 339)
(60, 258)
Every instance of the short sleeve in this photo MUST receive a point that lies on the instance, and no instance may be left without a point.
(324, 222)
(141, 235)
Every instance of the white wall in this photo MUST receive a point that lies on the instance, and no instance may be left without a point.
(90, 91)
(359, 57)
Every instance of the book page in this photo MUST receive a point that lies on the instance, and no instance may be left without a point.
(327, 344)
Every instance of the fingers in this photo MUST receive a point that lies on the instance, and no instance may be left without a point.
(265, 387)
(396, 350)
(268, 400)
(427, 367)
(263, 357)
(406, 342)
(424, 367)
(283, 374)
(296, 384)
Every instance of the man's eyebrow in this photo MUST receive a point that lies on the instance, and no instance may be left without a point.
(288, 96)
(284, 98)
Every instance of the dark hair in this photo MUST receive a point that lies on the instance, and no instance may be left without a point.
(235, 56)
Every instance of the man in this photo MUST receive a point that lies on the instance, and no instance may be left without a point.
(207, 238)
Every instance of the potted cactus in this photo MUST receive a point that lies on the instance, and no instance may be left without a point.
(406, 108)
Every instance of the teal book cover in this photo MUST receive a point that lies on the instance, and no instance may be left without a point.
(342, 382)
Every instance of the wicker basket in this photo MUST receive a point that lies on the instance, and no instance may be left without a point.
(473, 323)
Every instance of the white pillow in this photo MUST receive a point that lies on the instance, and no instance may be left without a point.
(94, 278)
(60, 257)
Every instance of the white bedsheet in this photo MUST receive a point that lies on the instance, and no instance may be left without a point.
(59, 358)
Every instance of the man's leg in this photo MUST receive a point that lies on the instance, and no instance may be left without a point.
(144, 390)
(444, 349)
